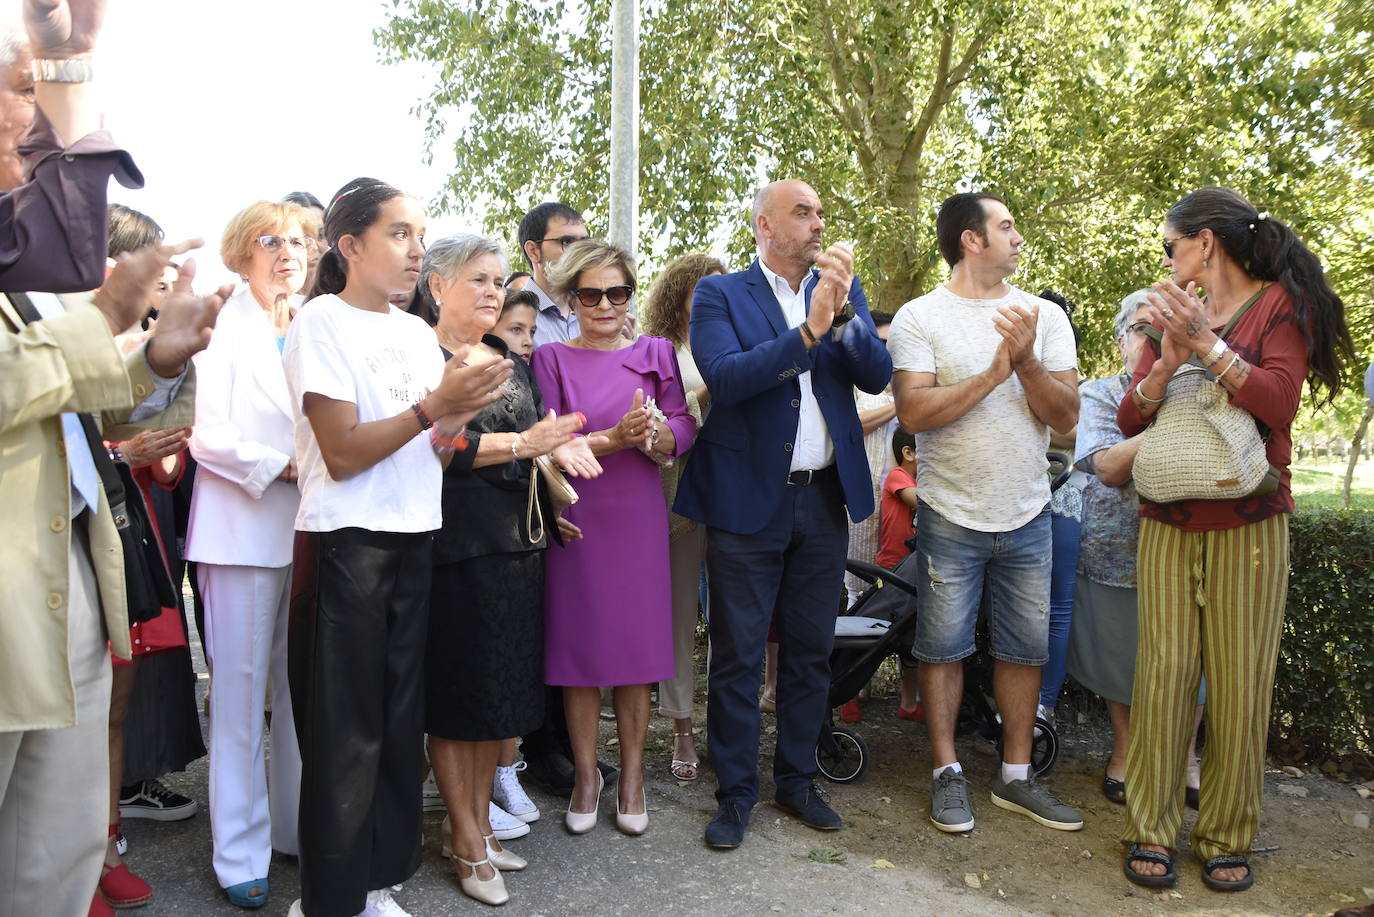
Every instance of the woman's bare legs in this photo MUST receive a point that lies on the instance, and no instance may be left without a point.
(632, 724)
(582, 706)
(455, 767)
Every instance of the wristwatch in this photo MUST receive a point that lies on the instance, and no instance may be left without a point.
(843, 315)
(46, 70)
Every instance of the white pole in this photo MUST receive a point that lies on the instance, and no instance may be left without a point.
(624, 228)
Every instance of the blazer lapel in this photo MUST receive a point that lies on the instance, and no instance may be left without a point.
(764, 297)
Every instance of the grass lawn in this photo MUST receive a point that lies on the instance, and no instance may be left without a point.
(1318, 484)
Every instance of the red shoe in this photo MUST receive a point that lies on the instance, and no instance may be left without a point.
(99, 908)
(121, 888)
(850, 712)
(918, 715)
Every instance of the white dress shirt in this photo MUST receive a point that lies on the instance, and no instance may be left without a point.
(813, 448)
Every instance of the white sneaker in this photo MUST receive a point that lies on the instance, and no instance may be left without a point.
(504, 825)
(295, 910)
(429, 791)
(381, 904)
(507, 793)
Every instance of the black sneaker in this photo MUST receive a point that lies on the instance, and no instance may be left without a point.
(151, 799)
(726, 830)
(810, 807)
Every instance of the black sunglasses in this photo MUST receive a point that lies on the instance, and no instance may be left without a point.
(1169, 243)
(616, 296)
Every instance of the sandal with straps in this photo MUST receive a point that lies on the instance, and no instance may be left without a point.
(1168, 880)
(685, 771)
(1227, 861)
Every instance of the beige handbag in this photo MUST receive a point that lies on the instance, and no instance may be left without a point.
(1200, 446)
(561, 495)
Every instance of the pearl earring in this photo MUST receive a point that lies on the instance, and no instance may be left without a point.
(1204, 263)
(440, 302)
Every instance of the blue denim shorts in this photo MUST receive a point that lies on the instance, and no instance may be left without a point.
(953, 565)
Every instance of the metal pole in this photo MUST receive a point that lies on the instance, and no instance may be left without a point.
(624, 228)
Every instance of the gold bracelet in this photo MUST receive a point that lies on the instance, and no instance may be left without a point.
(1146, 398)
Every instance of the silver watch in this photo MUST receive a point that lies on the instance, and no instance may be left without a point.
(46, 70)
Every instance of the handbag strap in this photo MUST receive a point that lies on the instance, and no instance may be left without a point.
(1230, 326)
(533, 510)
(104, 465)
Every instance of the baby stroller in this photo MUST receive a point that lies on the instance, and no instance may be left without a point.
(863, 641)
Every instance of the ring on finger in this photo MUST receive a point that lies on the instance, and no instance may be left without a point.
(1167, 313)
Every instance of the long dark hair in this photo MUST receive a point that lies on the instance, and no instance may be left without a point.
(356, 206)
(1268, 250)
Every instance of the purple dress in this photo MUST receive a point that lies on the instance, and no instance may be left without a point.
(607, 598)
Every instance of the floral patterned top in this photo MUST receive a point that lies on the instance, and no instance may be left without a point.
(1111, 520)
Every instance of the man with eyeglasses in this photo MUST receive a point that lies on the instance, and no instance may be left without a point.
(983, 372)
(781, 347)
(545, 233)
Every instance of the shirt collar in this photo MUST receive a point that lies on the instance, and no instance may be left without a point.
(780, 285)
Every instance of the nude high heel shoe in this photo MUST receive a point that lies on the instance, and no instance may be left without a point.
(488, 891)
(582, 822)
(503, 859)
(633, 825)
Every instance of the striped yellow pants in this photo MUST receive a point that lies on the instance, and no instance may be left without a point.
(1209, 602)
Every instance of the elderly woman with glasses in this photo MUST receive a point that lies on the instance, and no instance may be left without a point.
(608, 601)
(484, 659)
(240, 534)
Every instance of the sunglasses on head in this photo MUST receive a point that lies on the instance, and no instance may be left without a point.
(616, 296)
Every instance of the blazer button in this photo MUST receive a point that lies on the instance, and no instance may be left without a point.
(141, 390)
(54, 600)
(57, 523)
(786, 447)
(796, 402)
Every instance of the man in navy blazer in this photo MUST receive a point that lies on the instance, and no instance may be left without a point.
(781, 347)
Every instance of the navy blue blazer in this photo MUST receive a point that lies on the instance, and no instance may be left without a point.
(750, 361)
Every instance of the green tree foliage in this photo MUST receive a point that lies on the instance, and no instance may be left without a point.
(1090, 116)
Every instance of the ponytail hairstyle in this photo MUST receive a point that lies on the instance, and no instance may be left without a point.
(355, 207)
(1268, 250)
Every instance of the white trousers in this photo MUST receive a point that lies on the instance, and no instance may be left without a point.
(55, 783)
(685, 553)
(252, 811)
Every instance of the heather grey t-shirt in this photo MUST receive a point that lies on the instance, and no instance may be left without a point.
(987, 470)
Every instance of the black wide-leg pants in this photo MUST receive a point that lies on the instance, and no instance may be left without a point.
(359, 612)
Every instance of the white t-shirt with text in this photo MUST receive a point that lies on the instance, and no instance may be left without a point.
(383, 363)
(986, 470)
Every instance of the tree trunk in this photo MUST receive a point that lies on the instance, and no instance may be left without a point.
(1355, 443)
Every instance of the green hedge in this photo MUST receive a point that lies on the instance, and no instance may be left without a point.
(1324, 688)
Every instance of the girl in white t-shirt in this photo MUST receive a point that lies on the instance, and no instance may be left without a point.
(378, 413)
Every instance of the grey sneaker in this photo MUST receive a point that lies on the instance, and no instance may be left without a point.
(1031, 799)
(950, 809)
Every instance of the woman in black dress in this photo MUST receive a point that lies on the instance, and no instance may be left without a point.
(484, 665)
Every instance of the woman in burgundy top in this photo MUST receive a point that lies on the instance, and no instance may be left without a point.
(1214, 573)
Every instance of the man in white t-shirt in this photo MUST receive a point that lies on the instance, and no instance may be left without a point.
(983, 372)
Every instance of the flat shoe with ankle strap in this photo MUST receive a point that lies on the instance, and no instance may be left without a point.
(488, 891)
(682, 769)
(503, 859)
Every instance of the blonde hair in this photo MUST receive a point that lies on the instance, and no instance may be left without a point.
(587, 255)
(663, 314)
(262, 218)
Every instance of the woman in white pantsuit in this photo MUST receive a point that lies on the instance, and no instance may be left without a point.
(242, 526)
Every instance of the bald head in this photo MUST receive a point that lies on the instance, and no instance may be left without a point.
(777, 191)
(787, 226)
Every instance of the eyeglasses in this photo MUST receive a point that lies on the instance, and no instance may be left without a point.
(563, 241)
(1137, 328)
(1169, 243)
(273, 244)
(616, 296)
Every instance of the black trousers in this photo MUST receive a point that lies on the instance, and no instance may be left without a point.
(359, 610)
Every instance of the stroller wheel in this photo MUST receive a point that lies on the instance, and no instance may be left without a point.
(842, 756)
(1044, 746)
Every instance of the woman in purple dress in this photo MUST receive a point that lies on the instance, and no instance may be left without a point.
(614, 629)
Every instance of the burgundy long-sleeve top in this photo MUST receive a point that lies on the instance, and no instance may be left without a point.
(1269, 339)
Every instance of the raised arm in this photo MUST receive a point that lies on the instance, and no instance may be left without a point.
(922, 405)
(732, 373)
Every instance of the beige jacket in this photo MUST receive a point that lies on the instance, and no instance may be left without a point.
(62, 364)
